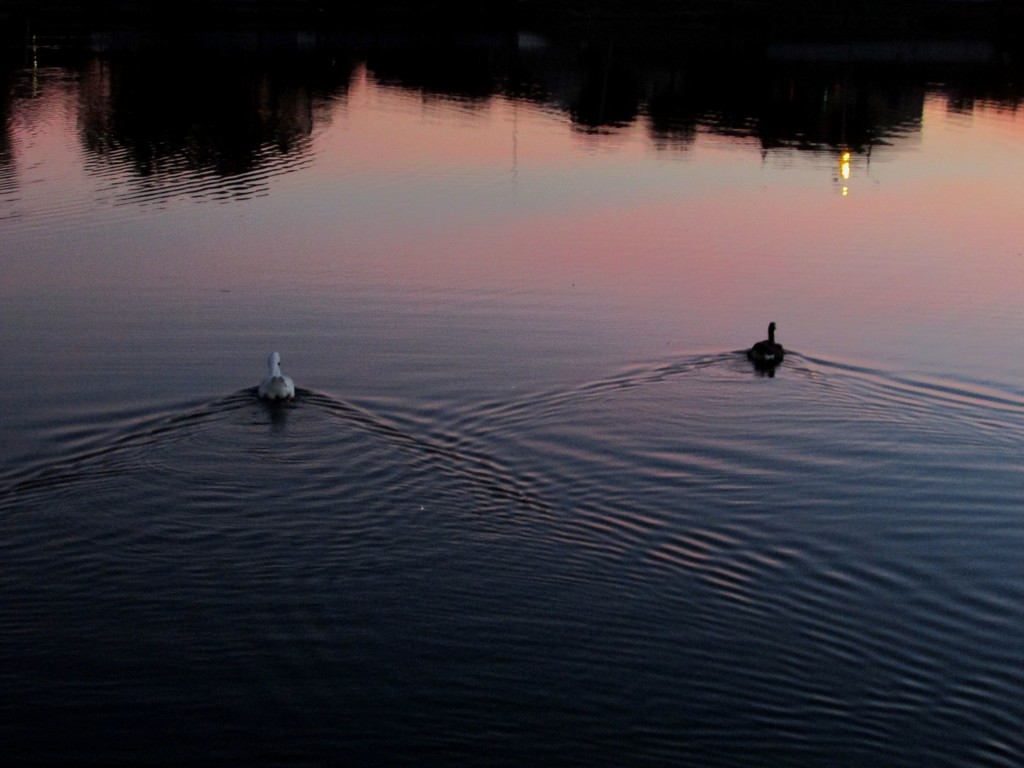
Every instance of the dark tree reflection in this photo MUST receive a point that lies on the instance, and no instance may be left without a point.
(212, 113)
(175, 116)
(608, 93)
(8, 182)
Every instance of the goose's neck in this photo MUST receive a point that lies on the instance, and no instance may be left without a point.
(771, 334)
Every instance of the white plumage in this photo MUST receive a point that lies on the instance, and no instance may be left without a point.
(276, 386)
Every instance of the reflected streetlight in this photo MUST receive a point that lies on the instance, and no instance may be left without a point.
(844, 171)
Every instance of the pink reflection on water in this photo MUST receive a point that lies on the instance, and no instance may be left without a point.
(419, 197)
(386, 129)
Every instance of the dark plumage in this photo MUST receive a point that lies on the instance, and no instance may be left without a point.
(767, 353)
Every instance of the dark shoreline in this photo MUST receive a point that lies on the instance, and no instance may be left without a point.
(647, 22)
(682, 76)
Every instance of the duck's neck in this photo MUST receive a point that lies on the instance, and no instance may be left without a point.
(771, 334)
(275, 366)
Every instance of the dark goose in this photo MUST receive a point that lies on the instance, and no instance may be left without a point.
(767, 353)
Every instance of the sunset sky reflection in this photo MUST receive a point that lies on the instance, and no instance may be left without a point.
(410, 195)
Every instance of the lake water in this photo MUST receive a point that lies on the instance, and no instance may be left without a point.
(531, 504)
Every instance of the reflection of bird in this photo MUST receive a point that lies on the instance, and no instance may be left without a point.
(767, 353)
(276, 386)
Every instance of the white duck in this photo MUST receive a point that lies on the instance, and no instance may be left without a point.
(276, 386)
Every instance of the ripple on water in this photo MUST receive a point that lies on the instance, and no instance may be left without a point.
(654, 567)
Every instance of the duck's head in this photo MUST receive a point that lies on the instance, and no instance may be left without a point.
(274, 364)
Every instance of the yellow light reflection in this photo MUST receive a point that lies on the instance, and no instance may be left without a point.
(844, 172)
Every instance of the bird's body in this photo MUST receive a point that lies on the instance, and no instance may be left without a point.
(276, 386)
(767, 353)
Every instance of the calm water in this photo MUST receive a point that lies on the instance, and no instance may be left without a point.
(531, 505)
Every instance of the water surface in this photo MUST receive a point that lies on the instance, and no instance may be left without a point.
(531, 503)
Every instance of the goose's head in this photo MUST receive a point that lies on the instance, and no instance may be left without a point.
(274, 364)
